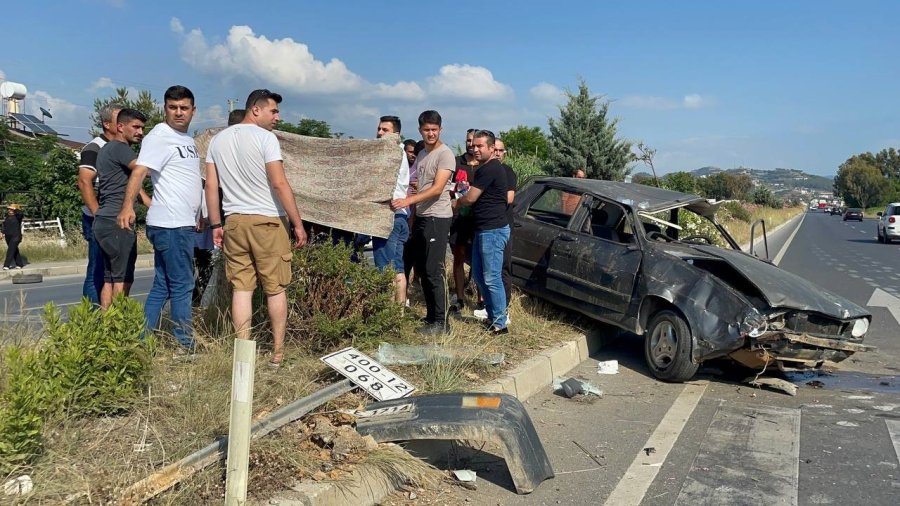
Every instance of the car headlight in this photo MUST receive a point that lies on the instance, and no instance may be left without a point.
(860, 327)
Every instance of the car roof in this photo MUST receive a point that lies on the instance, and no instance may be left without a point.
(648, 199)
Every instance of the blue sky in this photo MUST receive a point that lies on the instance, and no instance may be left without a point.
(762, 84)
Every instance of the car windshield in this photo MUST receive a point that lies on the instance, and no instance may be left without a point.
(687, 226)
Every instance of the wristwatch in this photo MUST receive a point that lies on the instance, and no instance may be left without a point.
(215, 225)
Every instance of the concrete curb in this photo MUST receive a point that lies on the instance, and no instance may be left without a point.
(368, 485)
(143, 261)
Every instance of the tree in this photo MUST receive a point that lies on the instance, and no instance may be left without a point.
(524, 140)
(584, 138)
(645, 154)
(681, 182)
(888, 162)
(860, 182)
(308, 127)
(144, 103)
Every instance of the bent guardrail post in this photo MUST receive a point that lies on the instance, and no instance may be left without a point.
(172, 474)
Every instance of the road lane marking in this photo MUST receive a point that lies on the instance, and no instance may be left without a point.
(36, 308)
(784, 248)
(33, 286)
(893, 427)
(644, 468)
(750, 455)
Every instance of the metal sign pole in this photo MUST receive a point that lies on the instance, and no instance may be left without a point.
(238, 461)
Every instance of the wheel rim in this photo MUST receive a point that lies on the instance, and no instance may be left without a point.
(663, 344)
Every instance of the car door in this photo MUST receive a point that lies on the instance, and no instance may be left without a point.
(594, 264)
(539, 218)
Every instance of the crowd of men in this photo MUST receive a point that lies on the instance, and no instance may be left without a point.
(240, 200)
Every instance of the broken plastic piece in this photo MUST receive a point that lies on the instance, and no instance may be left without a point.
(586, 387)
(408, 354)
(776, 383)
(572, 387)
(442, 416)
(608, 367)
(465, 475)
(18, 486)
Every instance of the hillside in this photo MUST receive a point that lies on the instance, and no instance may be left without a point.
(782, 182)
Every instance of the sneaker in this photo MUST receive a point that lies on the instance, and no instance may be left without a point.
(5, 268)
(19, 267)
(497, 331)
(481, 314)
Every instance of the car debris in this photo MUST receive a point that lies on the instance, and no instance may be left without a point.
(608, 367)
(776, 383)
(409, 354)
(18, 486)
(666, 270)
(572, 387)
(495, 418)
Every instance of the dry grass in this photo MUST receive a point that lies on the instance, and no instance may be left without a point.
(43, 246)
(740, 230)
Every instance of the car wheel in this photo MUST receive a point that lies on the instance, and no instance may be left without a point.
(667, 347)
(878, 233)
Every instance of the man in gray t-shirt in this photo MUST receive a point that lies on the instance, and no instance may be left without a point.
(114, 164)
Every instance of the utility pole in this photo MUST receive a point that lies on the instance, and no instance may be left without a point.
(231, 102)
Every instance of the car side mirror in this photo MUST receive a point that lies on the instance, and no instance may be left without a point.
(878, 214)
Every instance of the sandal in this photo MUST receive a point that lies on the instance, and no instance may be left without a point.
(275, 361)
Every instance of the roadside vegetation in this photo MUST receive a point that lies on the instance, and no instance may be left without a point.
(87, 441)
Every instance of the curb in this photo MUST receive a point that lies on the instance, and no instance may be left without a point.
(143, 261)
(368, 485)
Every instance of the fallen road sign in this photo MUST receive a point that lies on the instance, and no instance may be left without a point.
(363, 371)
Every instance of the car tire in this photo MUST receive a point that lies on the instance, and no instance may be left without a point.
(878, 234)
(25, 279)
(667, 347)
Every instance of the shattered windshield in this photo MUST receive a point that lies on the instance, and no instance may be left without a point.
(682, 225)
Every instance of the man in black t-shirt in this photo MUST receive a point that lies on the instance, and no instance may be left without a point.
(461, 230)
(114, 164)
(488, 198)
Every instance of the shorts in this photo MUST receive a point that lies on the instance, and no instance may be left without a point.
(119, 248)
(462, 230)
(257, 250)
(389, 252)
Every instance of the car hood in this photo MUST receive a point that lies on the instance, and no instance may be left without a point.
(783, 289)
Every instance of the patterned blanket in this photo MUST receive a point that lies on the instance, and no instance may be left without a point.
(341, 183)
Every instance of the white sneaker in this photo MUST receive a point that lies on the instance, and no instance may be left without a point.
(5, 268)
(481, 314)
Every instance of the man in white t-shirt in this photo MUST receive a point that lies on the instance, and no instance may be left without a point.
(245, 160)
(169, 154)
(389, 252)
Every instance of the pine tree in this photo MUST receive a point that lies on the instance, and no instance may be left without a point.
(584, 138)
(144, 103)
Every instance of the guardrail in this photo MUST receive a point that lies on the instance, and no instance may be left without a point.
(43, 225)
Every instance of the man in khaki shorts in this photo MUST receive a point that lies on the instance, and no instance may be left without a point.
(245, 160)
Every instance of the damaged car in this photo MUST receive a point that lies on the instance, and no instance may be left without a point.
(656, 263)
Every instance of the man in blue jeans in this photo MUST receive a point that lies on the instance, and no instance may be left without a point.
(389, 252)
(170, 155)
(87, 185)
(488, 198)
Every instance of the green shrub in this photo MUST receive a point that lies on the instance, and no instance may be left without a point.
(96, 363)
(334, 301)
(737, 211)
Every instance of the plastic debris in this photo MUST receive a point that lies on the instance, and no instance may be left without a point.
(18, 486)
(608, 367)
(465, 475)
(776, 383)
(576, 387)
(407, 354)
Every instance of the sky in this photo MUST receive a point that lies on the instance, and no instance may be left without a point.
(762, 84)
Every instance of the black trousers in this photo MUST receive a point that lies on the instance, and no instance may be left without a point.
(13, 258)
(429, 237)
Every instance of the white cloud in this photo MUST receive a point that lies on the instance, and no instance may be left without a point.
(468, 82)
(546, 92)
(176, 26)
(2, 75)
(102, 83)
(207, 117)
(404, 90)
(692, 101)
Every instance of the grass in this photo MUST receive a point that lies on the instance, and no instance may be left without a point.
(740, 230)
(91, 460)
(41, 246)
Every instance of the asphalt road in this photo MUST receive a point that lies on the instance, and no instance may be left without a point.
(717, 441)
(26, 301)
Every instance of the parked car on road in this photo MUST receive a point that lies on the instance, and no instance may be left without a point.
(655, 262)
(889, 223)
(853, 213)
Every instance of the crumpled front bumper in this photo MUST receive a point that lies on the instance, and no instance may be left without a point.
(800, 349)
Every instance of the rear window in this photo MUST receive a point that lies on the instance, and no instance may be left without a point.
(854, 210)
(895, 210)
